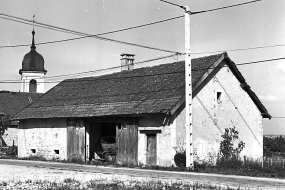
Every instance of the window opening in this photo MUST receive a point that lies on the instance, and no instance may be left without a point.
(122, 126)
(33, 86)
(33, 151)
(219, 97)
(56, 151)
(119, 126)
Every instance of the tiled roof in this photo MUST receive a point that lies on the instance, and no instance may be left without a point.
(140, 91)
(13, 102)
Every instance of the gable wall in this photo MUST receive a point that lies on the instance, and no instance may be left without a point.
(207, 135)
(44, 135)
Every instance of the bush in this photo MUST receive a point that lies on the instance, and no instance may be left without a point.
(9, 150)
(180, 159)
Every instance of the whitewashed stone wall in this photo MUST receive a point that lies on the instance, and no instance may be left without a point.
(207, 111)
(43, 137)
(165, 139)
(210, 118)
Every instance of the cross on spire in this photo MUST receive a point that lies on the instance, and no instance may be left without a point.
(33, 33)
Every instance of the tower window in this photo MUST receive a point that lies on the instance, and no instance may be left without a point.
(33, 86)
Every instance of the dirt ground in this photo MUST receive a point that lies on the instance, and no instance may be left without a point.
(23, 173)
(57, 172)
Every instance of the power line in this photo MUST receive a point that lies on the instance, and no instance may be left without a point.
(172, 4)
(240, 64)
(110, 68)
(198, 12)
(90, 35)
(70, 39)
(115, 31)
(92, 72)
(241, 49)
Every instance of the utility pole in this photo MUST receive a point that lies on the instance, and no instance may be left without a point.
(188, 93)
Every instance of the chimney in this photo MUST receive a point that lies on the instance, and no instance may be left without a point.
(127, 61)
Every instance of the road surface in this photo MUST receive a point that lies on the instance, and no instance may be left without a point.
(22, 169)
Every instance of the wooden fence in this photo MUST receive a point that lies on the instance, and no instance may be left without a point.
(266, 162)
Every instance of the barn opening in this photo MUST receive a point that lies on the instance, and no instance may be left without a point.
(102, 140)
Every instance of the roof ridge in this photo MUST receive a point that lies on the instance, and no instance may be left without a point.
(147, 67)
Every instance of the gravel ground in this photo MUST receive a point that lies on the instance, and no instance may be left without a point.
(10, 173)
(57, 172)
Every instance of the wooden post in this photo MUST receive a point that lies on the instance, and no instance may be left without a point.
(188, 93)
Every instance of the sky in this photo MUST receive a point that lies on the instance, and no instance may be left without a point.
(252, 25)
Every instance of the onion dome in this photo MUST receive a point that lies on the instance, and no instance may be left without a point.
(33, 61)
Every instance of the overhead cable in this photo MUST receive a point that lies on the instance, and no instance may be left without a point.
(199, 12)
(172, 4)
(240, 49)
(93, 71)
(85, 35)
(111, 68)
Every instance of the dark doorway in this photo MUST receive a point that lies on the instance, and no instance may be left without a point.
(97, 130)
(151, 149)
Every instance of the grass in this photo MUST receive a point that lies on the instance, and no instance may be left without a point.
(248, 168)
(70, 183)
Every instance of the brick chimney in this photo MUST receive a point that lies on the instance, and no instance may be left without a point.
(127, 61)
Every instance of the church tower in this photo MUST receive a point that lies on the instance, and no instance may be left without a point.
(33, 72)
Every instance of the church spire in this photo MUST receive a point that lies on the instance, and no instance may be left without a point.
(33, 41)
(33, 33)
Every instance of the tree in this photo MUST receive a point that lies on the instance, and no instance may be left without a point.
(227, 150)
(4, 123)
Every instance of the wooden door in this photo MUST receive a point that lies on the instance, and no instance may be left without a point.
(151, 149)
(127, 142)
(76, 142)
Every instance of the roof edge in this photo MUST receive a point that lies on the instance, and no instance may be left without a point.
(232, 66)
(207, 76)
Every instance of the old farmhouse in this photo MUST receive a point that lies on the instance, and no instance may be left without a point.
(142, 111)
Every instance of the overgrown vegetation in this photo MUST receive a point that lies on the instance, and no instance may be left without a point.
(71, 184)
(229, 156)
(4, 123)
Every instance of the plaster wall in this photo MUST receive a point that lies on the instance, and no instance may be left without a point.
(165, 134)
(48, 137)
(27, 77)
(212, 113)
(10, 135)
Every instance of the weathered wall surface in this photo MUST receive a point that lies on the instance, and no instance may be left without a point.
(165, 135)
(213, 111)
(10, 135)
(47, 137)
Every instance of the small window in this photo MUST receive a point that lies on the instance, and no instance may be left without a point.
(219, 96)
(122, 126)
(33, 151)
(56, 151)
(119, 126)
